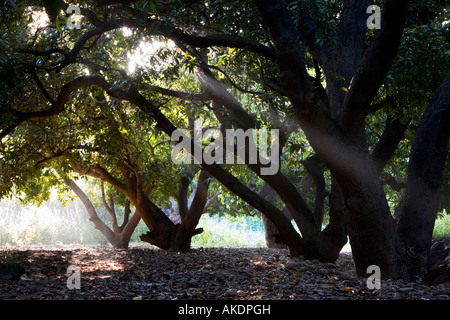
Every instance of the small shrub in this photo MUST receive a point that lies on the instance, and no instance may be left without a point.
(442, 226)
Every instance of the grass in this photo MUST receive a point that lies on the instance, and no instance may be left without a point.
(234, 232)
(442, 226)
(54, 223)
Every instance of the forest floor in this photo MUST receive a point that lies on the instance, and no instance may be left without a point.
(142, 272)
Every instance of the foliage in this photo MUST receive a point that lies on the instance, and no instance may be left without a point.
(52, 223)
(147, 50)
(410, 84)
(442, 226)
(55, 223)
(231, 232)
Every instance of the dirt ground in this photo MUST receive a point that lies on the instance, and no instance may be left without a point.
(145, 273)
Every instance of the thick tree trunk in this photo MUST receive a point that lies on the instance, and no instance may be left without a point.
(178, 236)
(341, 144)
(426, 166)
(159, 225)
(372, 231)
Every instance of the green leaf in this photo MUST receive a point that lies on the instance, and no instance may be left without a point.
(152, 5)
(52, 8)
(137, 298)
(58, 25)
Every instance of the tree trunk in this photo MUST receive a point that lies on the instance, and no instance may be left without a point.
(372, 231)
(426, 166)
(270, 229)
(178, 237)
(374, 237)
(341, 144)
(159, 225)
(329, 242)
(268, 193)
(117, 238)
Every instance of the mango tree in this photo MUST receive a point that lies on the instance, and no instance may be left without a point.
(311, 67)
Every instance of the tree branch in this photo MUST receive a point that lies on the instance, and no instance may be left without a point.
(56, 107)
(306, 29)
(375, 65)
(110, 208)
(198, 204)
(42, 88)
(177, 94)
(232, 82)
(99, 224)
(390, 180)
(219, 93)
(105, 175)
(182, 200)
(228, 180)
(315, 168)
(211, 40)
(393, 133)
(126, 214)
(176, 35)
(297, 206)
(211, 201)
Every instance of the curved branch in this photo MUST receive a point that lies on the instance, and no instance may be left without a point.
(56, 107)
(99, 224)
(214, 40)
(219, 93)
(375, 65)
(110, 208)
(176, 35)
(100, 173)
(101, 28)
(42, 88)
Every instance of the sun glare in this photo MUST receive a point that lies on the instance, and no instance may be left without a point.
(39, 19)
(140, 57)
(127, 31)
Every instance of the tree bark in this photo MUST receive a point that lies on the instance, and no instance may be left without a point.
(179, 236)
(187, 229)
(425, 169)
(341, 144)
